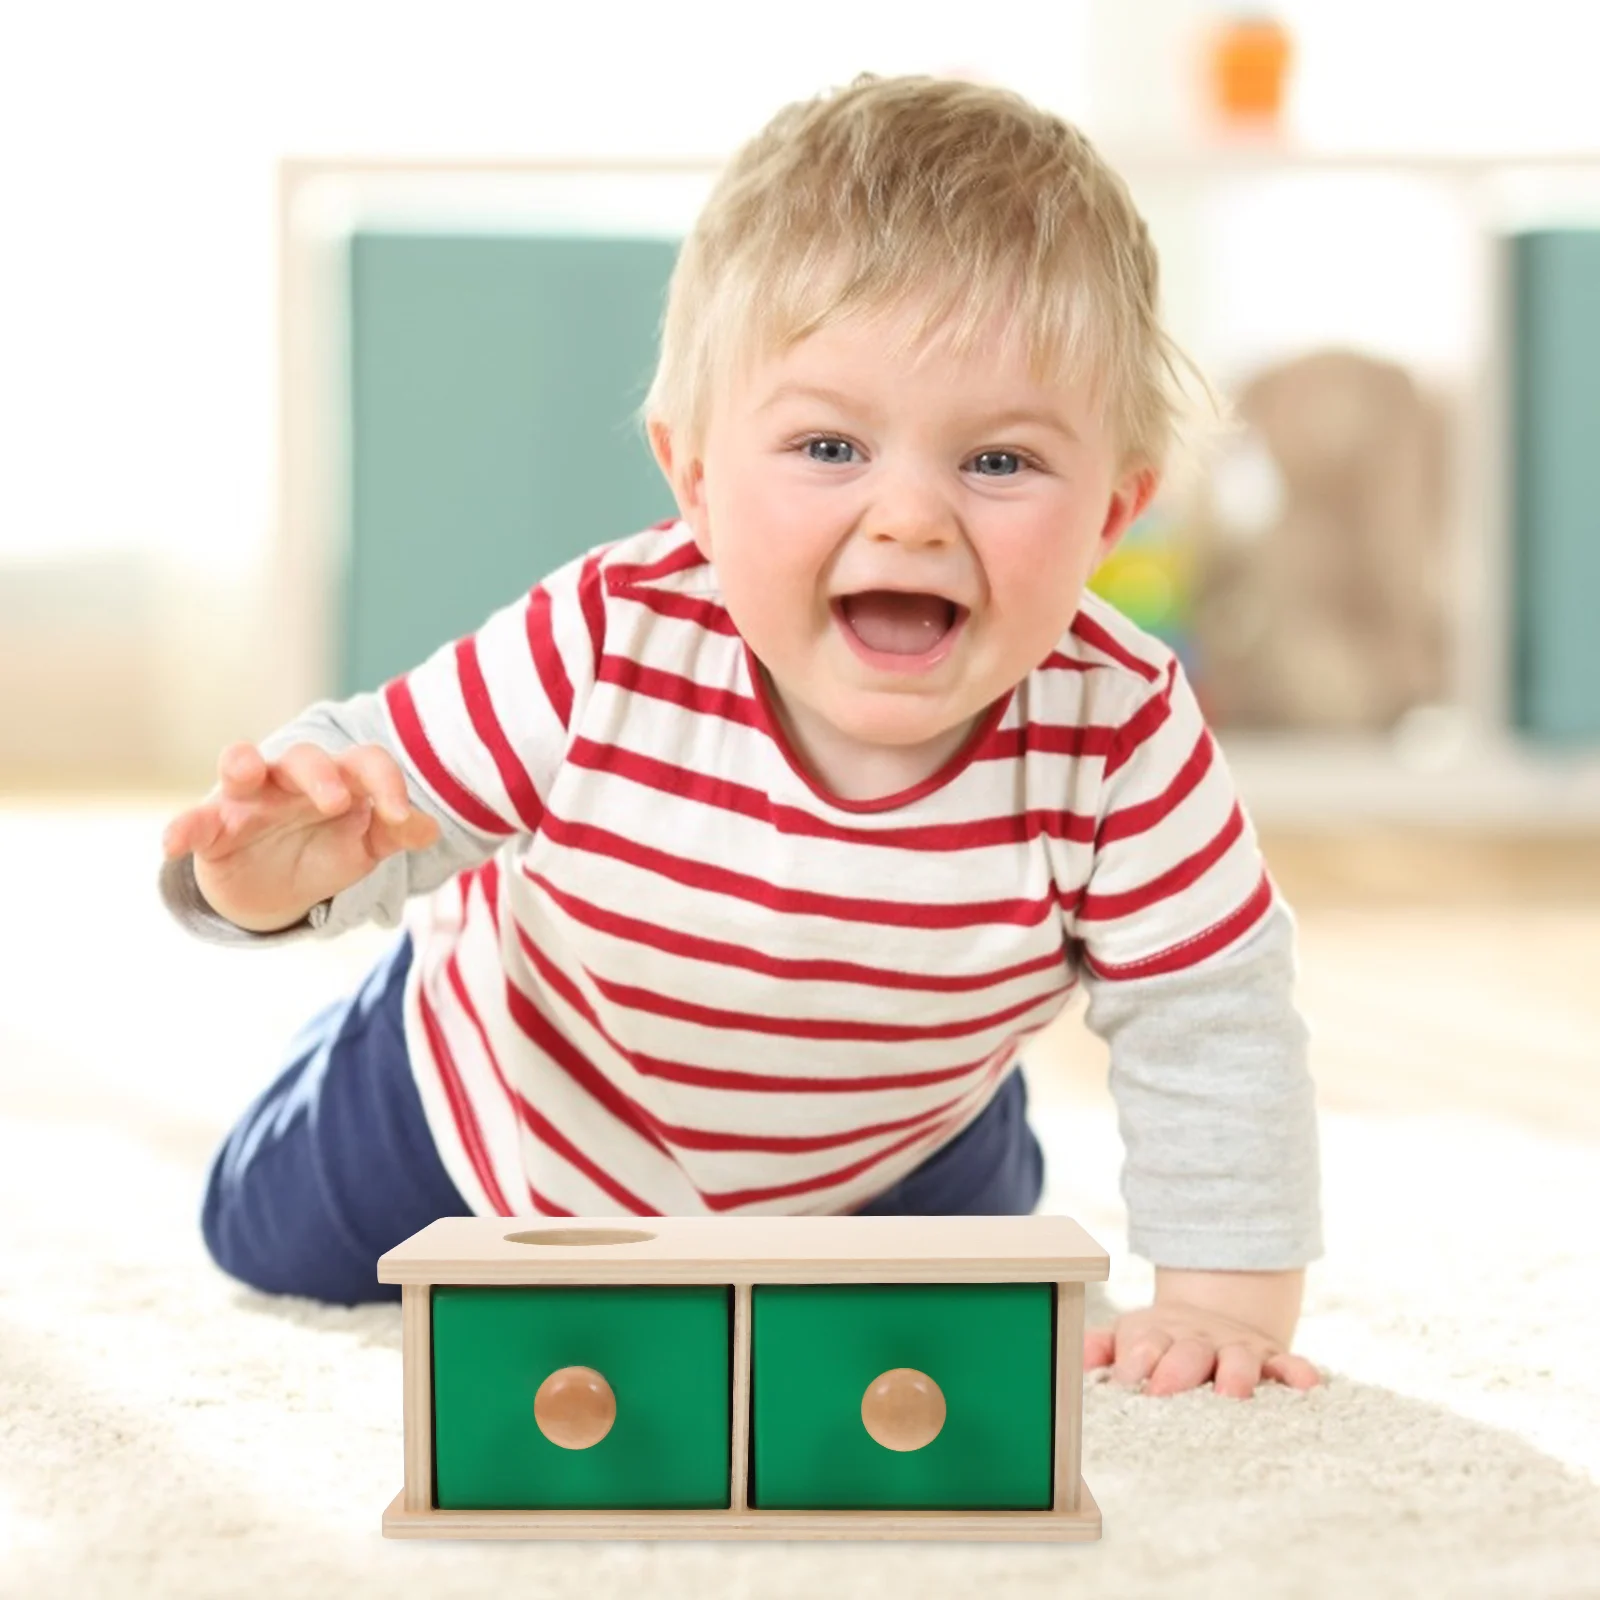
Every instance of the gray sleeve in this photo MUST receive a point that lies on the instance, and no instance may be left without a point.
(1216, 1108)
(381, 895)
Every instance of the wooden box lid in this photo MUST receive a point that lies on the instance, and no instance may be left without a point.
(1038, 1249)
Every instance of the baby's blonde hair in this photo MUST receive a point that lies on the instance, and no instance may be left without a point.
(956, 201)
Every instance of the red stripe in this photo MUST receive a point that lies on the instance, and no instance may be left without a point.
(771, 1083)
(519, 1105)
(489, 878)
(842, 1031)
(664, 1134)
(1050, 739)
(513, 1098)
(709, 614)
(683, 558)
(735, 1198)
(566, 1055)
(461, 1112)
(547, 660)
(480, 708)
(544, 1035)
(724, 795)
(1142, 726)
(592, 602)
(718, 952)
(407, 723)
(548, 1133)
(798, 902)
(802, 1144)
(1097, 638)
(1191, 951)
(538, 1125)
(696, 1139)
(667, 1136)
(687, 1138)
(562, 1053)
(1105, 907)
(1056, 662)
(679, 691)
(825, 1180)
(1133, 820)
(717, 1077)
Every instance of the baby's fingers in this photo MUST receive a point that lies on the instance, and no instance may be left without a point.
(1138, 1355)
(370, 770)
(191, 832)
(304, 769)
(417, 832)
(1238, 1371)
(1295, 1371)
(241, 772)
(1099, 1347)
(1186, 1365)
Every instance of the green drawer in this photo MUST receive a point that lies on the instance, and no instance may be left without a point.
(666, 1353)
(815, 1350)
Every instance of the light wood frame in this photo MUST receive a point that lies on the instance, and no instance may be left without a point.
(741, 1252)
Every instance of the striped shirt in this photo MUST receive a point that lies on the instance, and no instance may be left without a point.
(676, 976)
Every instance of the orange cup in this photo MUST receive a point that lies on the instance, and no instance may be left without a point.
(1249, 68)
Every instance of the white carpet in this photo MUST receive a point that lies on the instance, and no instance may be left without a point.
(164, 1433)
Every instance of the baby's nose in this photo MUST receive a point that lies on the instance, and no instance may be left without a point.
(915, 517)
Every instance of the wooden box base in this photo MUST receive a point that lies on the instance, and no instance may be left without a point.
(1021, 1527)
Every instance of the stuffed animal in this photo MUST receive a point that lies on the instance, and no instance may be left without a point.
(1321, 576)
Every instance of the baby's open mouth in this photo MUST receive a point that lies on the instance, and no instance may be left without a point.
(897, 623)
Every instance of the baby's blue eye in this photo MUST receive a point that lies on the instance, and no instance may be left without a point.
(1002, 457)
(834, 452)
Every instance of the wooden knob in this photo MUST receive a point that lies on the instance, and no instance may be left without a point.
(903, 1409)
(574, 1407)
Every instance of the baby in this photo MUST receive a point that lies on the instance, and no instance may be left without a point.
(739, 858)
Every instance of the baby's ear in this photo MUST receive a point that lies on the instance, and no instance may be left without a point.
(661, 447)
(687, 478)
(1129, 497)
(683, 475)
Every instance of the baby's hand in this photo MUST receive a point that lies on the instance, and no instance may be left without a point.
(1172, 1346)
(273, 840)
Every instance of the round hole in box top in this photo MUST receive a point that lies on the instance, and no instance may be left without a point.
(570, 1236)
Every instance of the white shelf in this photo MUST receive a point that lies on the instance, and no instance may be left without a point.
(1250, 157)
(1299, 780)
(1477, 772)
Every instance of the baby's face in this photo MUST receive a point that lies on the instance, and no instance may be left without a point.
(900, 539)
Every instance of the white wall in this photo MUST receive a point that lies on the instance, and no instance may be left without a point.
(138, 142)
(137, 162)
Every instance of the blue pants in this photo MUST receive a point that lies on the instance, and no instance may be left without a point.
(334, 1164)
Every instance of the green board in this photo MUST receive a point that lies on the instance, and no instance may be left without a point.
(666, 1352)
(493, 382)
(814, 1351)
(1556, 471)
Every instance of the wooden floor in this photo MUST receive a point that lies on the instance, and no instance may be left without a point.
(1438, 972)
(1377, 869)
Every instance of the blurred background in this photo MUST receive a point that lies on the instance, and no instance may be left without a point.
(324, 325)
(298, 295)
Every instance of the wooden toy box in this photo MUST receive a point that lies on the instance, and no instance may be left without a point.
(744, 1377)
